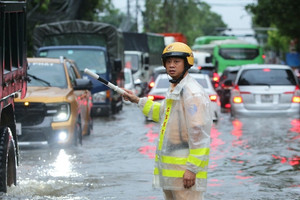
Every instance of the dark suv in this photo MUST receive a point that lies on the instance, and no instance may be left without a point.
(225, 85)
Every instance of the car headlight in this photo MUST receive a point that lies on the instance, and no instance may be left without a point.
(100, 97)
(60, 112)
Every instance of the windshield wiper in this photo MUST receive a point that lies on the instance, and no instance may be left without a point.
(39, 79)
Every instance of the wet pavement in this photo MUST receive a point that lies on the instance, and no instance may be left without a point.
(251, 159)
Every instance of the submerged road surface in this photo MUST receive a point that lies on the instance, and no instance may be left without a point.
(251, 159)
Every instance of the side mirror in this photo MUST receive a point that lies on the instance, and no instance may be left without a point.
(208, 59)
(117, 65)
(83, 84)
(146, 60)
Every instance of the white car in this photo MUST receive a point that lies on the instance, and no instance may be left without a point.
(265, 90)
(129, 83)
(158, 92)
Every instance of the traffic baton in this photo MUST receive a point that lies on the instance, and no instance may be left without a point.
(105, 82)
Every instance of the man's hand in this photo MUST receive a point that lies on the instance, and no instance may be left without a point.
(188, 179)
(130, 96)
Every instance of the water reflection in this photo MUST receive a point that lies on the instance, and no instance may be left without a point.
(62, 166)
(150, 148)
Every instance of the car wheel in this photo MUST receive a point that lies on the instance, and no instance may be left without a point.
(90, 128)
(77, 138)
(216, 117)
(8, 164)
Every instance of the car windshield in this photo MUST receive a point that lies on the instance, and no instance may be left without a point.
(238, 53)
(127, 77)
(47, 74)
(84, 58)
(132, 62)
(267, 77)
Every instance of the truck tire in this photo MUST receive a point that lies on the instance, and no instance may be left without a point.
(8, 162)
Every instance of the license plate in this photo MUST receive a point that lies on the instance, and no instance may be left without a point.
(19, 128)
(266, 98)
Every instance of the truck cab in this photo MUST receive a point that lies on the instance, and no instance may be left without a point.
(93, 45)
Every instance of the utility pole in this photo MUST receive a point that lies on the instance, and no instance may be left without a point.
(128, 8)
(136, 15)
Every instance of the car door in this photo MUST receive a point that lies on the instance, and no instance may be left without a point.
(83, 98)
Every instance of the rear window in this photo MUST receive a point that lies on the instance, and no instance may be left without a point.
(202, 82)
(229, 76)
(238, 53)
(267, 77)
(163, 83)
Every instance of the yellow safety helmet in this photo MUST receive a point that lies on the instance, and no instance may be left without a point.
(178, 49)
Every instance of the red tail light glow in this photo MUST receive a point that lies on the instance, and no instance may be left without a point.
(266, 70)
(216, 77)
(151, 84)
(296, 94)
(227, 105)
(213, 98)
(238, 99)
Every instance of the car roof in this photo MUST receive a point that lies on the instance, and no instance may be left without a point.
(261, 66)
(232, 68)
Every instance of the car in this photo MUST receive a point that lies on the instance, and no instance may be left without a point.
(129, 83)
(162, 70)
(57, 107)
(158, 92)
(225, 85)
(265, 90)
(211, 71)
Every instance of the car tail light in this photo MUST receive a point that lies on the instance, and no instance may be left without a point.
(151, 84)
(213, 97)
(227, 105)
(296, 94)
(216, 77)
(237, 98)
(155, 97)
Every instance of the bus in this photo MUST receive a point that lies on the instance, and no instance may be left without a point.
(203, 40)
(232, 52)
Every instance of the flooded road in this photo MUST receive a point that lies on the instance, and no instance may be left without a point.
(251, 159)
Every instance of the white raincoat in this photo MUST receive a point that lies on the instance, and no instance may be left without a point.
(184, 138)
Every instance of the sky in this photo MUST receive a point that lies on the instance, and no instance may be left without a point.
(231, 11)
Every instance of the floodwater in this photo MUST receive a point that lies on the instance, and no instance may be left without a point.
(251, 159)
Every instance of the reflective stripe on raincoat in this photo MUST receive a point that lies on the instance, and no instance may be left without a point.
(184, 138)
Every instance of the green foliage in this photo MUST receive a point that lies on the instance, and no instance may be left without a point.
(283, 14)
(278, 42)
(193, 18)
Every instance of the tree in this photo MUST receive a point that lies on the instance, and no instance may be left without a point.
(193, 18)
(282, 14)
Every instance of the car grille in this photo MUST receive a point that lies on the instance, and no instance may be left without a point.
(30, 115)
